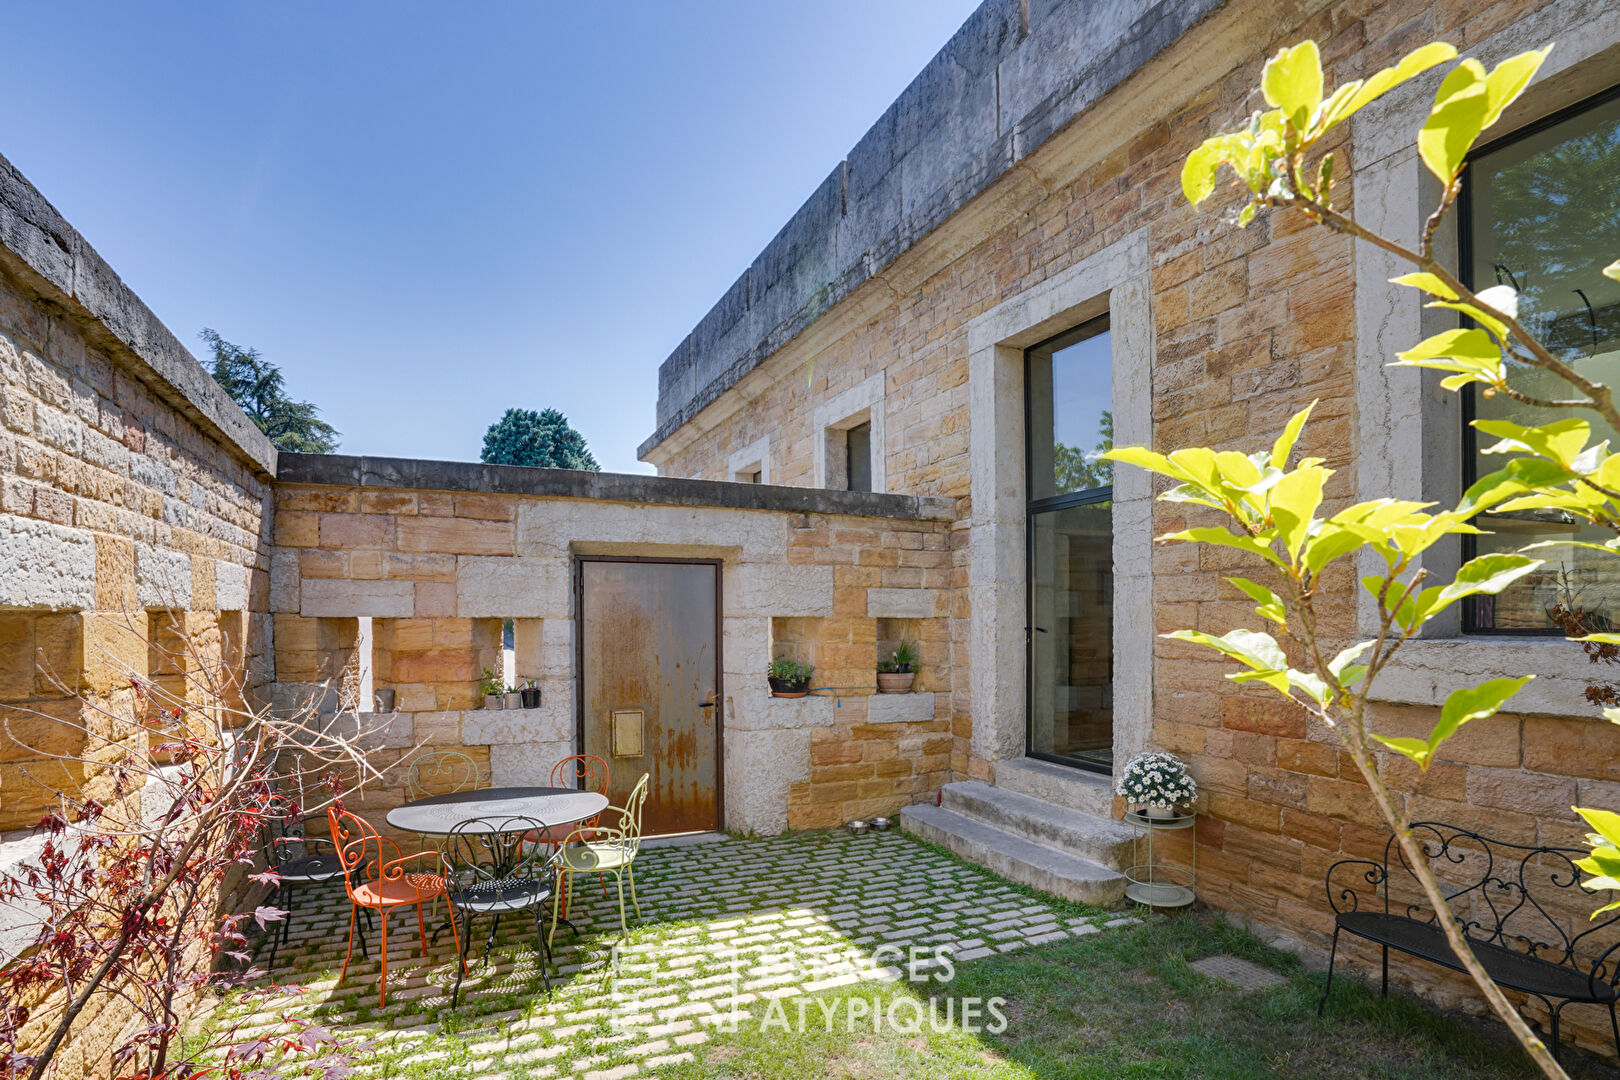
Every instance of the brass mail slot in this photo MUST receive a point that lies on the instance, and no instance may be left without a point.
(628, 725)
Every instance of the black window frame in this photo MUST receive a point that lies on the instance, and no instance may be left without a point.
(1091, 328)
(1465, 273)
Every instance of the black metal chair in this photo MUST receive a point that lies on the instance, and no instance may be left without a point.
(494, 870)
(290, 855)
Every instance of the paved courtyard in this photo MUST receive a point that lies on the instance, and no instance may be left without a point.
(728, 926)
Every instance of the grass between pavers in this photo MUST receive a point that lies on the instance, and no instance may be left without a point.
(1124, 1004)
(1120, 1002)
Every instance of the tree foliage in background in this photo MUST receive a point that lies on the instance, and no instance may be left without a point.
(1271, 506)
(1080, 470)
(541, 440)
(259, 388)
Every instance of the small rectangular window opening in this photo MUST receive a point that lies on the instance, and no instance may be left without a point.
(858, 456)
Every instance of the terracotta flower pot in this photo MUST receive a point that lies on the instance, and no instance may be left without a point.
(896, 682)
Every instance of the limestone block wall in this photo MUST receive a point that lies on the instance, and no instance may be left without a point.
(438, 571)
(116, 509)
(1244, 328)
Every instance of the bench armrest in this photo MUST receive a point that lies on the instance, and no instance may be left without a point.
(1345, 898)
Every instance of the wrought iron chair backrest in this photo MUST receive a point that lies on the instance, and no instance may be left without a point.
(629, 816)
(282, 839)
(584, 772)
(366, 853)
(495, 848)
(1524, 897)
(442, 772)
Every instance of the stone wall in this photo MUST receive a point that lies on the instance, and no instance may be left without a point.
(134, 512)
(827, 577)
(1247, 326)
(114, 507)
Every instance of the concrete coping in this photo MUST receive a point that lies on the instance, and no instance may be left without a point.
(343, 470)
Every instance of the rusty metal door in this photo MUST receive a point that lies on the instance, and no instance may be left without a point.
(649, 670)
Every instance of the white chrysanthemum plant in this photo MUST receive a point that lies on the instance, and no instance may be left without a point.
(1157, 784)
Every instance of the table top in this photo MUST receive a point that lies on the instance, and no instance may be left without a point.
(551, 806)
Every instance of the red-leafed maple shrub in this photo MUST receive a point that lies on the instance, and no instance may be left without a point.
(128, 898)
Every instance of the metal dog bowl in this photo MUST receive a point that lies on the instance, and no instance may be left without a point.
(857, 827)
(880, 824)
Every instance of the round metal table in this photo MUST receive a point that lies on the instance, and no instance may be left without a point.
(551, 806)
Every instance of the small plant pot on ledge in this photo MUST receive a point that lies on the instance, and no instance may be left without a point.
(512, 700)
(896, 682)
(492, 701)
(789, 687)
(530, 696)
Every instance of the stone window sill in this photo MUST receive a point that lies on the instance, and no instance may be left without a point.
(1425, 671)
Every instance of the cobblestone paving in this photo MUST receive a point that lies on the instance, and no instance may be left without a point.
(727, 926)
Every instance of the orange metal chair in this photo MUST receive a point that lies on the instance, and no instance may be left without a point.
(375, 880)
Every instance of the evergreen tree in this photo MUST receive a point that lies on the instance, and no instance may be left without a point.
(258, 387)
(540, 439)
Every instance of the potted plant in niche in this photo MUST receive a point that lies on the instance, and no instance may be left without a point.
(489, 684)
(789, 677)
(1157, 785)
(896, 674)
(512, 698)
(530, 694)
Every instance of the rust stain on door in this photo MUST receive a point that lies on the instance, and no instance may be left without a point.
(648, 644)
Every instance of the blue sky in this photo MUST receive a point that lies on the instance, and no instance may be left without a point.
(426, 213)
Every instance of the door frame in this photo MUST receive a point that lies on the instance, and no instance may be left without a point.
(719, 662)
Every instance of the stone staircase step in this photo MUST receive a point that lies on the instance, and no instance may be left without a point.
(1015, 858)
(1088, 836)
(1074, 788)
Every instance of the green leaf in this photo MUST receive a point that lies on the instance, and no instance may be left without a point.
(1612, 271)
(1342, 106)
(1211, 535)
(1292, 81)
(1428, 282)
(1472, 703)
(1561, 441)
(1508, 80)
(1519, 476)
(1270, 605)
(1416, 749)
(1599, 639)
(1258, 651)
(1605, 823)
(1198, 171)
(1330, 541)
(1349, 656)
(1612, 715)
(1294, 500)
(1455, 121)
(1290, 435)
(1471, 344)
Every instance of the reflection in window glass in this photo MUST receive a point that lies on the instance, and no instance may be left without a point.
(1071, 647)
(1542, 218)
(858, 456)
(1071, 419)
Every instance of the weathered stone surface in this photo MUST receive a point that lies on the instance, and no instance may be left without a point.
(780, 590)
(333, 598)
(914, 708)
(499, 727)
(162, 578)
(504, 588)
(902, 603)
(46, 566)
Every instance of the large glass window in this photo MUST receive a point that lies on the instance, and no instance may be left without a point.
(1541, 212)
(1069, 423)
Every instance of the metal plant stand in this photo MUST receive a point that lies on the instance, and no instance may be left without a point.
(1152, 881)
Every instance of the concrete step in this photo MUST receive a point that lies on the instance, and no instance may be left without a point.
(1075, 788)
(1013, 857)
(1089, 836)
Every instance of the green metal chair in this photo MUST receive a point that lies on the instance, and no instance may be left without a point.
(608, 847)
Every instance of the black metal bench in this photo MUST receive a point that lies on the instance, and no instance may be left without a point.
(1522, 907)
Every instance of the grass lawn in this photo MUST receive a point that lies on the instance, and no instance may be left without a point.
(1123, 1004)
